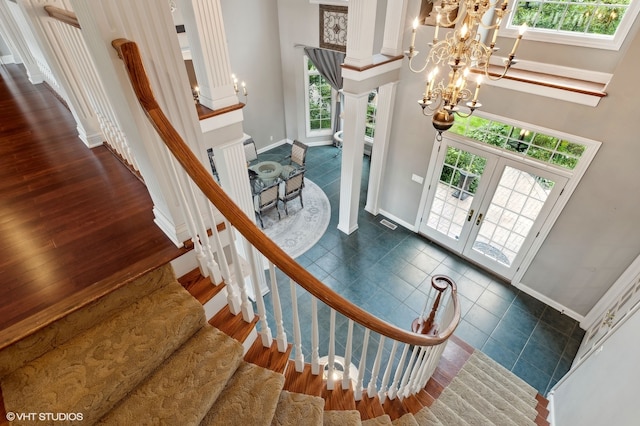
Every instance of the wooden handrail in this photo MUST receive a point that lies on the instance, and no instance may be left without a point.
(63, 15)
(130, 55)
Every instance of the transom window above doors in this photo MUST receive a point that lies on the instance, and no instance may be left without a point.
(591, 23)
(526, 142)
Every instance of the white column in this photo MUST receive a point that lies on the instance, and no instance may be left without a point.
(355, 110)
(361, 32)
(208, 44)
(394, 27)
(58, 56)
(18, 45)
(381, 140)
(151, 27)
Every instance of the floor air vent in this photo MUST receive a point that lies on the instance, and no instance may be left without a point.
(388, 224)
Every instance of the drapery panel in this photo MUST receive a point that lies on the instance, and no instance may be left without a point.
(328, 63)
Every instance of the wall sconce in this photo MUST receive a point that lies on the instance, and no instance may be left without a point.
(237, 90)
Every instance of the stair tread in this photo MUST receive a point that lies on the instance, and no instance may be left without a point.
(482, 380)
(446, 415)
(507, 379)
(463, 409)
(94, 370)
(383, 420)
(339, 399)
(233, 325)
(341, 418)
(183, 388)
(304, 382)
(297, 408)
(481, 402)
(202, 288)
(370, 408)
(406, 420)
(65, 328)
(269, 358)
(426, 417)
(250, 398)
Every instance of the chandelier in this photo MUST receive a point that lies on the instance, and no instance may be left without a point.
(464, 52)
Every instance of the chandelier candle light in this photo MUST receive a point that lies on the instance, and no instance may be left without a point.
(463, 50)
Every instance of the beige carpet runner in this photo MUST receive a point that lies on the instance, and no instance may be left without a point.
(145, 354)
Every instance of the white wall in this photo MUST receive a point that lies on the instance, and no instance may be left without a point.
(300, 26)
(597, 236)
(604, 389)
(254, 52)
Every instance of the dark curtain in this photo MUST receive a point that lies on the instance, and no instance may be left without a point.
(328, 63)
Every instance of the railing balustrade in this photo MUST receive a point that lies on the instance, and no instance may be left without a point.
(419, 353)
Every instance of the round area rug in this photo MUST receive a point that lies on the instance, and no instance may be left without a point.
(299, 231)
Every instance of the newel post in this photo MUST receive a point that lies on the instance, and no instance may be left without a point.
(429, 326)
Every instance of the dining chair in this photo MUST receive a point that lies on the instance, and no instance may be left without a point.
(250, 151)
(297, 158)
(266, 199)
(292, 188)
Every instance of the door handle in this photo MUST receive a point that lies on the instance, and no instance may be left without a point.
(479, 219)
(470, 215)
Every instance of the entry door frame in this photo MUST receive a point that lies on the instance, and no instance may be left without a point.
(491, 162)
(560, 180)
(574, 176)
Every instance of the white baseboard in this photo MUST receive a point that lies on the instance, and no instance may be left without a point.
(550, 302)
(397, 220)
(274, 145)
(7, 59)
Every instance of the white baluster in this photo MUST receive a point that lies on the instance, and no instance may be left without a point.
(297, 338)
(315, 338)
(371, 389)
(265, 331)
(382, 394)
(346, 377)
(415, 372)
(357, 394)
(216, 273)
(407, 373)
(332, 350)
(223, 264)
(245, 304)
(281, 337)
(425, 373)
(233, 299)
(393, 389)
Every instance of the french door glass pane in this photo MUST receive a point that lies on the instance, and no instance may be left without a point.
(515, 205)
(461, 173)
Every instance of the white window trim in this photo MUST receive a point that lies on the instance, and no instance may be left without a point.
(574, 177)
(307, 116)
(578, 39)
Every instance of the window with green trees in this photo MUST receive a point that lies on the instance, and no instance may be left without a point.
(525, 142)
(319, 102)
(589, 17)
(372, 106)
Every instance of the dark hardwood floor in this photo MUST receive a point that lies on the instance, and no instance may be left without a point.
(73, 220)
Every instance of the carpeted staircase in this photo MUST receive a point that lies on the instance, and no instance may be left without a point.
(145, 354)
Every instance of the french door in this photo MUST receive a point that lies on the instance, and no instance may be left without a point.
(487, 207)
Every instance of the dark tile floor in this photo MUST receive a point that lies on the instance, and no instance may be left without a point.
(386, 271)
